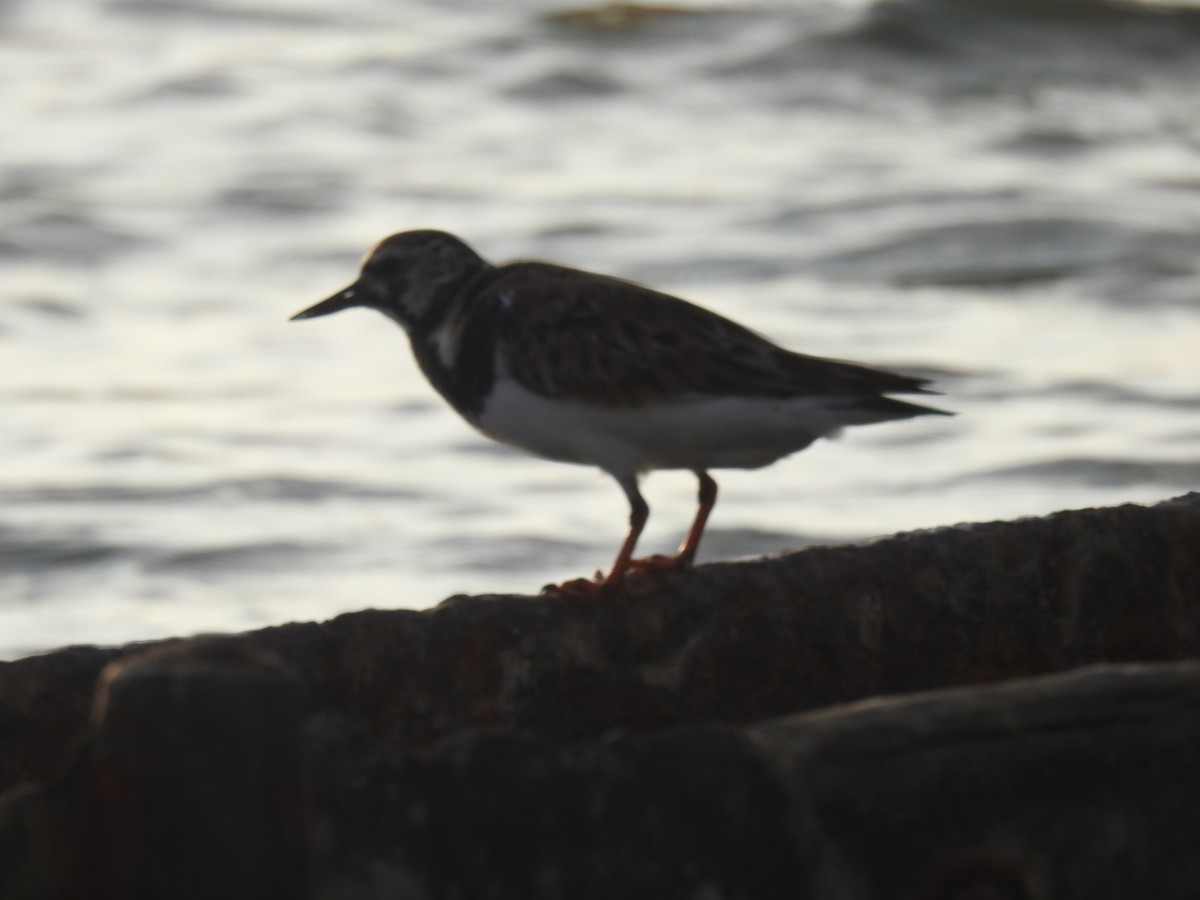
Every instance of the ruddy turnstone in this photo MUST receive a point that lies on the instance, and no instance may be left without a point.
(585, 368)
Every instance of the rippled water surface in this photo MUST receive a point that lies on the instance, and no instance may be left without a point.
(1002, 196)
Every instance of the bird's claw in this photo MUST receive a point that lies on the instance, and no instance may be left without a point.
(581, 591)
(586, 591)
(661, 564)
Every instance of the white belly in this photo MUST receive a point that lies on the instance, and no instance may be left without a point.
(700, 433)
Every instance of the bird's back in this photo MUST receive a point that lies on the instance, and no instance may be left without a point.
(609, 342)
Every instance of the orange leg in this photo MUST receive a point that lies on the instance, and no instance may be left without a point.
(686, 556)
(708, 499)
(583, 590)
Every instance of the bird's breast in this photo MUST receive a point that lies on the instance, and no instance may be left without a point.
(459, 359)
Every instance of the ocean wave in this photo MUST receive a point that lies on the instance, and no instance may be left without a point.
(289, 490)
(973, 39)
(735, 543)
(624, 19)
(566, 85)
(41, 552)
(67, 237)
(272, 193)
(1060, 10)
(1012, 252)
(509, 553)
(24, 551)
(1101, 472)
(1111, 394)
(952, 25)
(225, 13)
(267, 556)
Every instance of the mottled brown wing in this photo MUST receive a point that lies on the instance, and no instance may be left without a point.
(614, 343)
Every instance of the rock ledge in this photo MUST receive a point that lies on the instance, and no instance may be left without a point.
(697, 736)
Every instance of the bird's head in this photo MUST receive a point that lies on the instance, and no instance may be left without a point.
(404, 276)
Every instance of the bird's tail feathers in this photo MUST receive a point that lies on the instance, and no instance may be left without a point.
(879, 408)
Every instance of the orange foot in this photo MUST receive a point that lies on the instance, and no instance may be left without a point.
(661, 564)
(582, 591)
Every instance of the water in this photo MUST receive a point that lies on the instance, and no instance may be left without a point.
(1004, 196)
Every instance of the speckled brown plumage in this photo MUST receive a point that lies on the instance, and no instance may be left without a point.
(571, 334)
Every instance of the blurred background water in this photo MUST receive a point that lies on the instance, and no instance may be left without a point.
(1001, 194)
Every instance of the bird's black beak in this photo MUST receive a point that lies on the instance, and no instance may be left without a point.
(343, 299)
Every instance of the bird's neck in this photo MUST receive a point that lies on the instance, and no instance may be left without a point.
(456, 349)
(428, 305)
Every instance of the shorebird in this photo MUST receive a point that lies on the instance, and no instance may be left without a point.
(586, 368)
